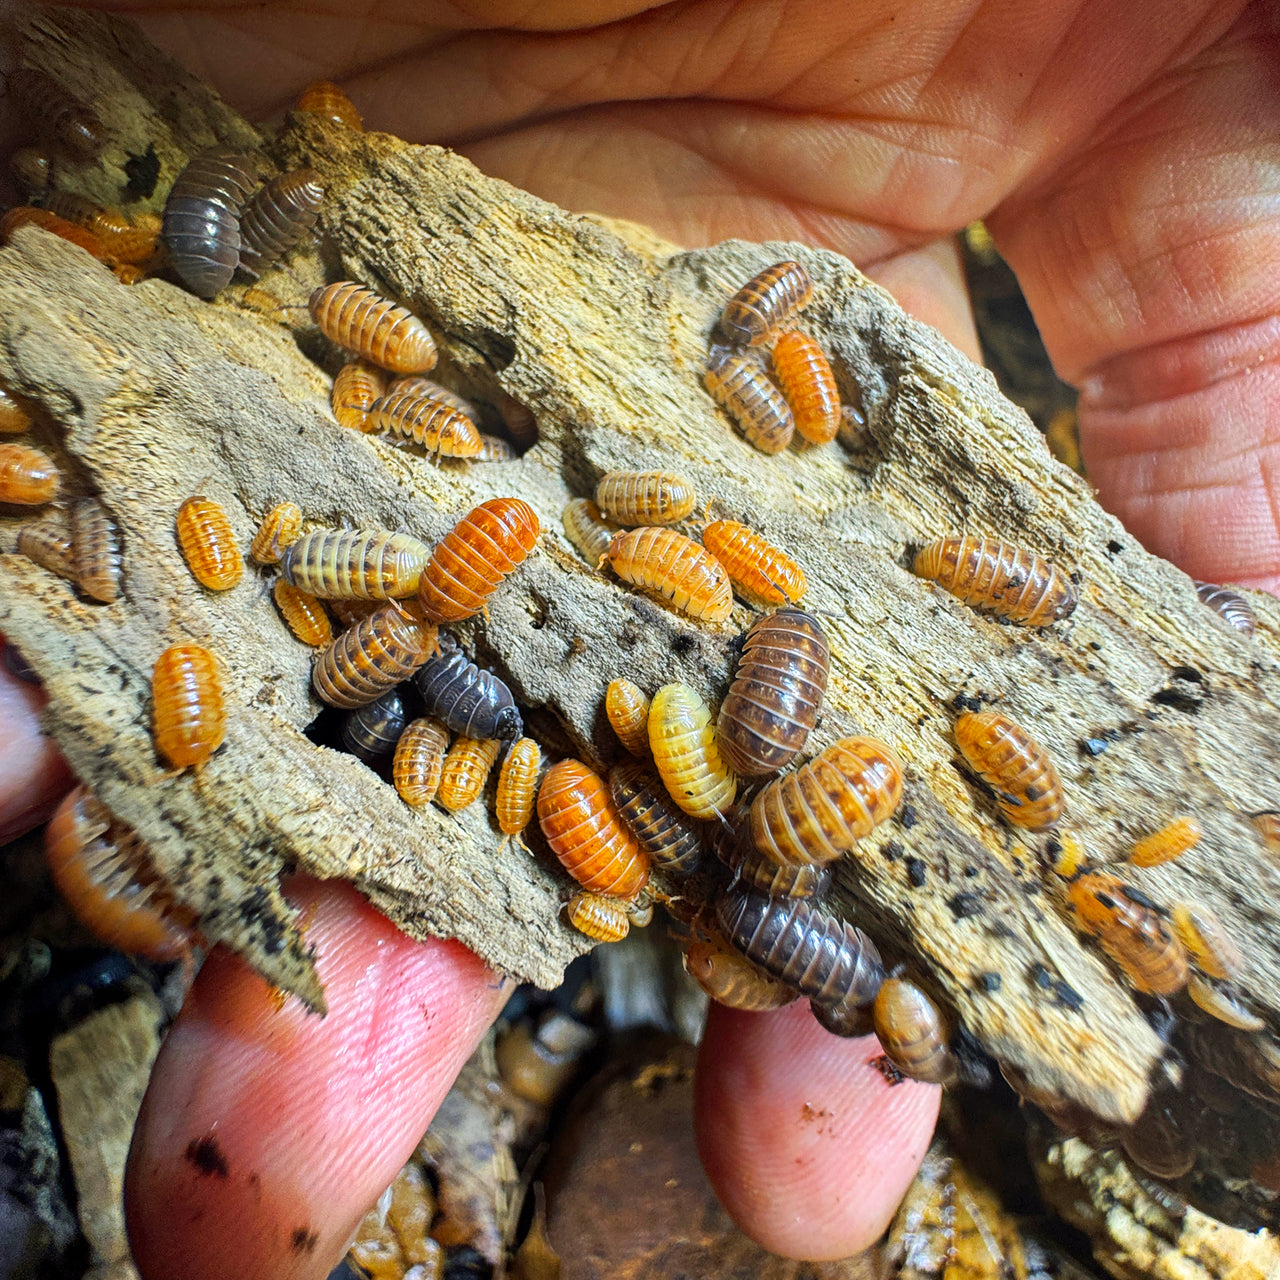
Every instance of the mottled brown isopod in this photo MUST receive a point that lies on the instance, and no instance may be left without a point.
(743, 390)
(437, 427)
(1014, 766)
(278, 216)
(373, 656)
(660, 826)
(376, 328)
(988, 573)
(756, 312)
(96, 545)
(645, 497)
(49, 545)
(733, 846)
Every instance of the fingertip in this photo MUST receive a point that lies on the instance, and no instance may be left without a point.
(33, 774)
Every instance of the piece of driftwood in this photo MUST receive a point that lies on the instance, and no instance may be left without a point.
(601, 330)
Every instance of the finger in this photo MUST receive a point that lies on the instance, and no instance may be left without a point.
(929, 284)
(33, 775)
(267, 1131)
(809, 1148)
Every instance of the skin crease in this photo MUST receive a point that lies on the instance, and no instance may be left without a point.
(1124, 157)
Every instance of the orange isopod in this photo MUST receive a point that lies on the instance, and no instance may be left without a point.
(278, 531)
(96, 544)
(585, 832)
(209, 544)
(730, 979)
(324, 98)
(761, 574)
(1220, 1001)
(355, 563)
(754, 314)
(14, 418)
(419, 760)
(818, 812)
(645, 497)
(190, 712)
(1171, 841)
(422, 386)
(1207, 944)
(743, 390)
(28, 478)
(804, 373)
(517, 782)
(588, 530)
(376, 328)
(122, 241)
(26, 216)
(989, 573)
(473, 558)
(357, 387)
(599, 916)
(437, 427)
(1131, 932)
(373, 656)
(465, 771)
(667, 564)
(48, 545)
(627, 707)
(1014, 766)
(912, 1032)
(304, 615)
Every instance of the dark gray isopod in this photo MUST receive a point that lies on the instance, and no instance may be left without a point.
(372, 731)
(471, 701)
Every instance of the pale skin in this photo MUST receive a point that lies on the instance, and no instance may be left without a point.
(1125, 158)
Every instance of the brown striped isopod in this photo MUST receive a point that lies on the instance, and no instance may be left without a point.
(95, 542)
(368, 659)
(743, 390)
(190, 714)
(14, 417)
(1014, 766)
(465, 770)
(668, 565)
(761, 574)
(755, 313)
(1229, 605)
(658, 824)
(324, 98)
(1171, 841)
(357, 387)
(519, 421)
(588, 530)
(438, 428)
(419, 760)
(733, 846)
(278, 531)
(355, 563)
(685, 751)
(303, 614)
(645, 497)
(377, 328)
(209, 544)
(804, 374)
(517, 785)
(49, 545)
(278, 216)
(418, 385)
(599, 916)
(627, 708)
(55, 112)
(730, 979)
(912, 1032)
(201, 227)
(25, 216)
(998, 576)
(28, 478)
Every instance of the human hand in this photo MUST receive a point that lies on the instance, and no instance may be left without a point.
(1119, 155)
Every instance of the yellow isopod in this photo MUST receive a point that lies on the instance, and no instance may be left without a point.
(683, 741)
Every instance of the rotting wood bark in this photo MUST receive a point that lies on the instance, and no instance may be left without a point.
(601, 330)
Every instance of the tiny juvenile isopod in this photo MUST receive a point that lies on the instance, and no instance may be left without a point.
(472, 559)
(1171, 841)
(822, 809)
(303, 614)
(278, 216)
(661, 828)
(599, 916)
(588, 530)
(912, 1032)
(190, 714)
(776, 694)
(1229, 605)
(377, 328)
(96, 545)
(755, 313)
(685, 751)
(48, 545)
(998, 576)
(355, 563)
(627, 709)
(730, 979)
(278, 531)
(419, 760)
(804, 373)
(743, 390)
(371, 657)
(371, 732)
(201, 227)
(1014, 766)
(28, 478)
(583, 828)
(357, 387)
(645, 497)
(761, 574)
(470, 700)
(55, 112)
(465, 770)
(324, 98)
(667, 564)
(25, 216)
(209, 544)
(438, 428)
(1207, 943)
(14, 417)
(517, 784)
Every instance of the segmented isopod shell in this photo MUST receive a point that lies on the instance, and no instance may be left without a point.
(733, 846)
(55, 112)
(585, 832)
(209, 544)
(1207, 943)
(818, 812)
(843, 1018)
(588, 530)
(1001, 577)
(473, 558)
(96, 545)
(470, 700)
(599, 916)
(14, 419)
(324, 98)
(660, 827)
(852, 431)
(1229, 605)
(355, 563)
(756, 312)
(495, 449)
(49, 546)
(373, 656)
(370, 733)
(1014, 766)
(1130, 931)
(32, 168)
(667, 564)
(912, 1032)
(822, 957)
(684, 749)
(465, 771)
(732, 980)
(303, 614)
(1267, 825)
(278, 216)
(122, 241)
(1156, 1143)
(627, 708)
(190, 714)
(104, 873)
(348, 612)
(278, 531)
(419, 760)
(519, 421)
(776, 694)
(645, 497)
(28, 478)
(437, 427)
(1171, 841)
(1221, 1002)
(25, 216)
(743, 390)
(201, 227)
(357, 386)
(418, 385)
(761, 574)
(804, 373)
(376, 328)
(517, 783)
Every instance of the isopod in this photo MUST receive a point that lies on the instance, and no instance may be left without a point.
(684, 749)
(843, 1018)
(377, 328)
(371, 732)
(743, 390)
(190, 714)
(472, 559)
(32, 168)
(438, 428)
(822, 809)
(354, 563)
(419, 760)
(519, 421)
(1130, 931)
(25, 216)
(667, 564)
(122, 241)
(14, 418)
(324, 98)
(804, 373)
(465, 771)
(48, 545)
(660, 827)
(96, 545)
(1007, 580)
(761, 574)
(583, 828)
(756, 312)
(1229, 605)
(417, 384)
(373, 656)
(209, 544)
(495, 449)
(348, 612)
(588, 530)
(56, 113)
(278, 216)
(1014, 766)
(470, 700)
(1267, 825)
(357, 386)
(821, 956)
(734, 848)
(303, 614)
(1171, 841)
(1207, 943)
(627, 708)
(1219, 1001)
(278, 531)
(28, 478)
(201, 227)
(776, 694)
(645, 497)
(517, 784)
(1157, 1144)
(912, 1032)
(732, 980)
(599, 916)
